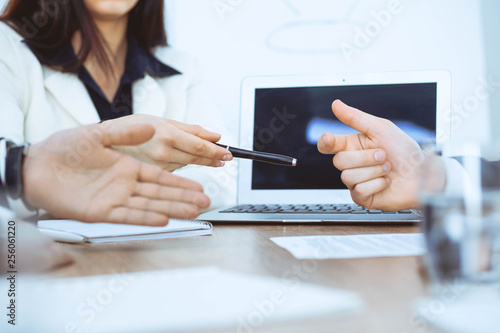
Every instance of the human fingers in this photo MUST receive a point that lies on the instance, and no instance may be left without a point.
(152, 174)
(130, 135)
(359, 120)
(172, 209)
(196, 146)
(353, 177)
(333, 143)
(170, 167)
(359, 158)
(197, 130)
(154, 191)
(126, 215)
(363, 193)
(183, 158)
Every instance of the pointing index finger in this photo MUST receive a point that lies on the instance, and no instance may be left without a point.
(332, 144)
(357, 119)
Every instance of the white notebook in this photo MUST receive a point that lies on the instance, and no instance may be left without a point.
(79, 232)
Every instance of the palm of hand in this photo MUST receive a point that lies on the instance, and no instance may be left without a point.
(105, 183)
(106, 188)
(406, 158)
(75, 174)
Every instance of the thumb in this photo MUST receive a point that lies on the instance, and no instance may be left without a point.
(127, 136)
(359, 120)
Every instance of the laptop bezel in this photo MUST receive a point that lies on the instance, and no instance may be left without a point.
(249, 85)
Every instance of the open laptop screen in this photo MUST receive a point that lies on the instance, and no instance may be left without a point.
(289, 121)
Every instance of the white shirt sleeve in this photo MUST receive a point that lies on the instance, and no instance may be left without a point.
(455, 176)
(15, 87)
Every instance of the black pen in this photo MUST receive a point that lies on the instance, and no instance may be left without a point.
(261, 156)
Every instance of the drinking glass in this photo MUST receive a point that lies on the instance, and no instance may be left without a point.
(462, 222)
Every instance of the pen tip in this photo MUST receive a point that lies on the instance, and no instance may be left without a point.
(294, 162)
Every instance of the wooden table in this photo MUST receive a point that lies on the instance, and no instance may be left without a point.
(388, 285)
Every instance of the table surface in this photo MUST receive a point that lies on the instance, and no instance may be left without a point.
(388, 285)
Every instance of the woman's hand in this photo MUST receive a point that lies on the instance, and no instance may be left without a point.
(174, 144)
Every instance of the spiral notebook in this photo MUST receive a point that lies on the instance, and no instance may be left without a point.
(79, 232)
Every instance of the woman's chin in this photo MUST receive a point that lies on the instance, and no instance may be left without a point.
(110, 9)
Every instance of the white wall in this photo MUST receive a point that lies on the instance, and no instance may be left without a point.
(237, 38)
(491, 23)
(246, 37)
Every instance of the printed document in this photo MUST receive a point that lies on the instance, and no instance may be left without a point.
(352, 246)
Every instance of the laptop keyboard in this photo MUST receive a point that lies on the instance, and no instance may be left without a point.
(308, 209)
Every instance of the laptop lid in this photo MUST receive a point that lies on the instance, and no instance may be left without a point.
(287, 114)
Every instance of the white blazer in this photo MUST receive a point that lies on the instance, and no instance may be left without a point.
(36, 101)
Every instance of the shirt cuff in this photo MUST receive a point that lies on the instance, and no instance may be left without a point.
(455, 177)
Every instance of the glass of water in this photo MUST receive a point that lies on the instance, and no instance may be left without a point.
(462, 224)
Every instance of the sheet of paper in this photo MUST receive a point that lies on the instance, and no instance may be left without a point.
(352, 246)
(183, 300)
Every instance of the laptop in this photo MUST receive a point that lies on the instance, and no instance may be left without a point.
(287, 114)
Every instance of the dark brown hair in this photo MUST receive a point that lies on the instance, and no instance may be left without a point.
(46, 25)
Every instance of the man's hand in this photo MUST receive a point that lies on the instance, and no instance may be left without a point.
(174, 144)
(75, 174)
(381, 165)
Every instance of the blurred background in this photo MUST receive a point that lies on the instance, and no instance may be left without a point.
(237, 38)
